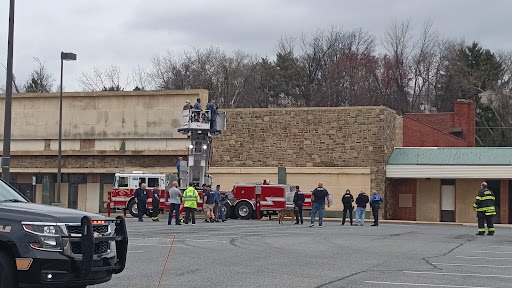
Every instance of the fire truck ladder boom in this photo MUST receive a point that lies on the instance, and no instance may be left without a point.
(197, 127)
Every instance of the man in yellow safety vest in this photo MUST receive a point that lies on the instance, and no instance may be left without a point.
(190, 199)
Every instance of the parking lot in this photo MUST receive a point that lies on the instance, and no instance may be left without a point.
(251, 253)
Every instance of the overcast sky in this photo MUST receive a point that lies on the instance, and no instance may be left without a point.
(128, 33)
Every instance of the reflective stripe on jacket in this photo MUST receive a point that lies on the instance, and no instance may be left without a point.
(485, 202)
(190, 198)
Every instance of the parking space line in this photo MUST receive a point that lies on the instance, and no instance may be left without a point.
(495, 252)
(457, 274)
(424, 285)
(135, 251)
(510, 247)
(478, 257)
(471, 265)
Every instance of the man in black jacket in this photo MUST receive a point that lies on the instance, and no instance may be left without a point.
(347, 201)
(361, 201)
(485, 210)
(141, 199)
(318, 199)
(298, 202)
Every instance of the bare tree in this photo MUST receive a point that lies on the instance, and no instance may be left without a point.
(104, 80)
(40, 81)
(398, 42)
(141, 78)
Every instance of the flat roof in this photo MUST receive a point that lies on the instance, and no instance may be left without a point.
(460, 156)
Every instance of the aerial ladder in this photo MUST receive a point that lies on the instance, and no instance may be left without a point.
(197, 126)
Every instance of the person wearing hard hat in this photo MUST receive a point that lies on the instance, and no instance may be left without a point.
(187, 105)
(190, 199)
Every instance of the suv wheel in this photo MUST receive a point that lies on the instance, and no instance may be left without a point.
(7, 271)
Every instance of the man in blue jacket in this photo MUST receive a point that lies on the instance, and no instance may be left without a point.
(375, 204)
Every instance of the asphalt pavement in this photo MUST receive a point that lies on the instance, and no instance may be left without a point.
(252, 253)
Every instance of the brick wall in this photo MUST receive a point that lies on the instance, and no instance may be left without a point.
(310, 137)
(441, 121)
(417, 134)
(433, 130)
(96, 162)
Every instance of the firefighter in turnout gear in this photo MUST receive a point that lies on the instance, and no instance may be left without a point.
(485, 210)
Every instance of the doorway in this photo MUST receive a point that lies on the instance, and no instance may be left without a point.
(447, 200)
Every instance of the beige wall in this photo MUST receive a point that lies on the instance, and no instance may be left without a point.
(64, 188)
(228, 177)
(465, 193)
(39, 193)
(82, 197)
(335, 180)
(106, 188)
(428, 200)
(93, 197)
(101, 115)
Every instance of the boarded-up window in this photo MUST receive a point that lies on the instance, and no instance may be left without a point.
(405, 200)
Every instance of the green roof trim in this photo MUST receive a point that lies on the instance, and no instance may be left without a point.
(492, 156)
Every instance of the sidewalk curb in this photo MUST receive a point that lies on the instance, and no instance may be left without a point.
(403, 222)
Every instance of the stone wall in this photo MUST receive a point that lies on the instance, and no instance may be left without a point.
(310, 137)
(94, 164)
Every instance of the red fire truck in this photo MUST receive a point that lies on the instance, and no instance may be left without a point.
(255, 200)
(244, 200)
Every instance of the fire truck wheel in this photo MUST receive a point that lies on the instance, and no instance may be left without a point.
(244, 210)
(7, 271)
(132, 208)
(227, 210)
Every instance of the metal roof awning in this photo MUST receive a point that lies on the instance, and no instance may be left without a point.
(448, 171)
(450, 163)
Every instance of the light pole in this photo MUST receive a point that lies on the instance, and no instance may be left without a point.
(6, 153)
(64, 56)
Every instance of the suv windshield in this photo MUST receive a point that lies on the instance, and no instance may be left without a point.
(8, 194)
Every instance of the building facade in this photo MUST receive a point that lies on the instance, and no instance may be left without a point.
(440, 184)
(109, 132)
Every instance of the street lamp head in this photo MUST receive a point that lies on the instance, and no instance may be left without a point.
(67, 56)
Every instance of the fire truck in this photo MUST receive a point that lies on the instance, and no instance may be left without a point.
(246, 200)
(256, 200)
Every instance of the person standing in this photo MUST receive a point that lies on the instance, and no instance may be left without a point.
(375, 204)
(361, 201)
(190, 199)
(196, 111)
(347, 201)
(141, 199)
(174, 195)
(178, 164)
(187, 105)
(298, 202)
(218, 204)
(155, 202)
(212, 107)
(318, 198)
(485, 210)
(208, 203)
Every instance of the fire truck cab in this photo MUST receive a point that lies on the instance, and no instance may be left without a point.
(125, 185)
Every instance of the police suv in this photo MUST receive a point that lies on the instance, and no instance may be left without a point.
(47, 246)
